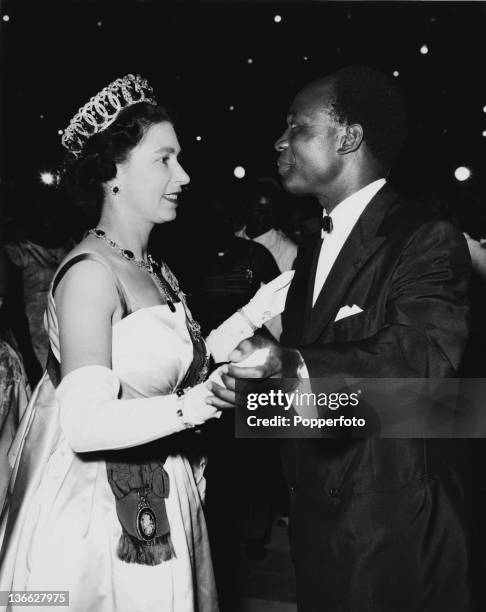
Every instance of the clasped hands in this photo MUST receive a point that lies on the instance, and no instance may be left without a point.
(256, 358)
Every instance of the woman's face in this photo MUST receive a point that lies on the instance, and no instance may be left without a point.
(151, 177)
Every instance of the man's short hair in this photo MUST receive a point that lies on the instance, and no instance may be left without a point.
(366, 96)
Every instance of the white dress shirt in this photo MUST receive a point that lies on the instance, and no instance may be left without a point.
(344, 217)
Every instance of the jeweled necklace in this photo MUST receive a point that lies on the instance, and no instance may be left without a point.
(151, 266)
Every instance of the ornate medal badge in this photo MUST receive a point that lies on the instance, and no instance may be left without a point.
(146, 520)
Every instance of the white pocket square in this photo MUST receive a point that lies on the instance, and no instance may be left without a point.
(347, 311)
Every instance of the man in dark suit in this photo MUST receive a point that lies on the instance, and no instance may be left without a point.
(376, 525)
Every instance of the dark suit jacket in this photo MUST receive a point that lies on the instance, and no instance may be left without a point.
(382, 525)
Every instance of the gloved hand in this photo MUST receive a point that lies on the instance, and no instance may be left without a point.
(93, 419)
(268, 302)
(195, 410)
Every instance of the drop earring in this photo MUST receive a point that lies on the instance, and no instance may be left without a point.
(115, 189)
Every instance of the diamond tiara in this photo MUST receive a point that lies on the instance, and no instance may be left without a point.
(103, 109)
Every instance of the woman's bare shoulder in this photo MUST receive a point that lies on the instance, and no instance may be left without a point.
(85, 278)
(88, 245)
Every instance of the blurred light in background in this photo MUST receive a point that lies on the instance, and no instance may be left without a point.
(239, 172)
(462, 173)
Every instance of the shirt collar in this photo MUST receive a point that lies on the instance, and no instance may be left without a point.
(348, 211)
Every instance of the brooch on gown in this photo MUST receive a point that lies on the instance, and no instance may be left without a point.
(146, 520)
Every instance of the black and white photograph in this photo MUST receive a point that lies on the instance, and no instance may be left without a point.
(210, 212)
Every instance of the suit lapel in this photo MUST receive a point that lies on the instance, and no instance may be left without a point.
(358, 248)
(314, 260)
(297, 301)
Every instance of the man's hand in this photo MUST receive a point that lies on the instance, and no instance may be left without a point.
(272, 361)
(259, 357)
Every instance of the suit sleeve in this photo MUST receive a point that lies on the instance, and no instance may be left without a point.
(425, 325)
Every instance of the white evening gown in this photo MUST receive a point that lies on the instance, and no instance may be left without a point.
(59, 527)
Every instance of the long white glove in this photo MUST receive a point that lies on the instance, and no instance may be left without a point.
(268, 302)
(92, 419)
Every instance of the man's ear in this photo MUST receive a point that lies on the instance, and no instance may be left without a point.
(351, 139)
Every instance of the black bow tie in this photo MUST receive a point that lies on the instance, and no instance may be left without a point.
(326, 224)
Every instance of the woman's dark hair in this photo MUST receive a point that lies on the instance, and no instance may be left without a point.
(83, 177)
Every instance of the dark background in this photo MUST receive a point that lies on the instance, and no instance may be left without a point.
(56, 55)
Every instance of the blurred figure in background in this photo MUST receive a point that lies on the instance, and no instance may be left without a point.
(263, 202)
(233, 269)
(262, 212)
(36, 251)
(14, 387)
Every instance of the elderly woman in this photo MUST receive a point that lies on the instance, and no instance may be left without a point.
(103, 500)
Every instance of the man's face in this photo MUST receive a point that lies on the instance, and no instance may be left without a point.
(309, 162)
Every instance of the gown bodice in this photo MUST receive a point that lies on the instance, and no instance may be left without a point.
(151, 347)
(151, 351)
